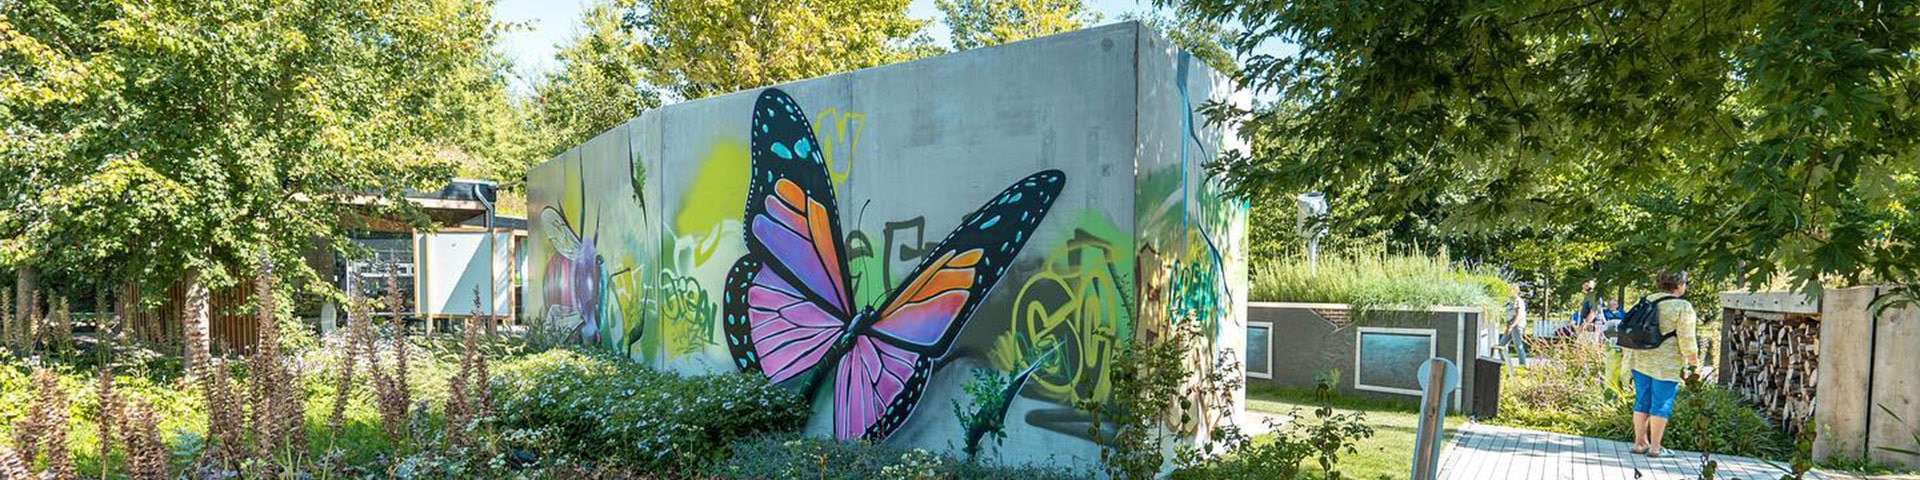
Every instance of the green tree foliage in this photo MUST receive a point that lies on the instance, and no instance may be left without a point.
(1744, 140)
(1206, 39)
(985, 23)
(598, 86)
(168, 139)
(698, 48)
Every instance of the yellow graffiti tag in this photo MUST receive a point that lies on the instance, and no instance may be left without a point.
(1077, 301)
(839, 135)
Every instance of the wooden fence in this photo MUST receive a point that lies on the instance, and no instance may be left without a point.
(231, 323)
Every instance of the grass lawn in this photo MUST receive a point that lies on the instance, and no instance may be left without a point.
(1388, 454)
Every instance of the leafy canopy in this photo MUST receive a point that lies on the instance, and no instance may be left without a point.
(598, 86)
(700, 48)
(985, 23)
(158, 137)
(1744, 140)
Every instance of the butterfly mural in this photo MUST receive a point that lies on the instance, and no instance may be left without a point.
(788, 303)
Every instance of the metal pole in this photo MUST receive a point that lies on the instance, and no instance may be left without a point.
(493, 249)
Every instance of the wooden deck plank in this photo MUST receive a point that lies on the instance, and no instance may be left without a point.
(1481, 451)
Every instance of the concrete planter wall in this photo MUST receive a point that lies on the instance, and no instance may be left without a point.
(1376, 356)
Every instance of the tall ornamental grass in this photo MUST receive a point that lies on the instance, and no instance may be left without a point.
(1374, 279)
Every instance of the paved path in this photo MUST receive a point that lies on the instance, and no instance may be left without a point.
(1480, 451)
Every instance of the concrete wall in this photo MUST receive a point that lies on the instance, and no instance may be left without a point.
(637, 233)
(1306, 346)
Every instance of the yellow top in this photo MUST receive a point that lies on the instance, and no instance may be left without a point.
(1669, 362)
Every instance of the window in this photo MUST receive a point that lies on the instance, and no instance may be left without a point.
(384, 255)
(1388, 359)
(1259, 353)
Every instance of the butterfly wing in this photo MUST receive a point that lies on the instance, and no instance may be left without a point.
(773, 327)
(877, 385)
(786, 301)
(554, 225)
(792, 220)
(925, 313)
(880, 380)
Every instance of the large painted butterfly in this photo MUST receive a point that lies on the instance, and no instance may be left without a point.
(789, 305)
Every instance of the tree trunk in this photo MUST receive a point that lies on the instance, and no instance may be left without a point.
(26, 298)
(24, 283)
(193, 320)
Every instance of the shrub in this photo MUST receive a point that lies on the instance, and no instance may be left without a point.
(592, 406)
(785, 456)
(1733, 426)
(1579, 391)
(1577, 384)
(1285, 454)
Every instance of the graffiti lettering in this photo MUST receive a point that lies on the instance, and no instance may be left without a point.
(903, 244)
(840, 138)
(1077, 302)
(686, 314)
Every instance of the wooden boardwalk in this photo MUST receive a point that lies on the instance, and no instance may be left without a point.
(1480, 451)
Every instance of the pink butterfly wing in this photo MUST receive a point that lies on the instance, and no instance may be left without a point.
(772, 326)
(877, 386)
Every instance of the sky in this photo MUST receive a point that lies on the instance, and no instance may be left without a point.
(549, 23)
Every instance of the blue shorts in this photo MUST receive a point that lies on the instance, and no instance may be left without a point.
(1653, 397)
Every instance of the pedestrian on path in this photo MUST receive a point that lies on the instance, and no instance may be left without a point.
(1517, 323)
(1657, 371)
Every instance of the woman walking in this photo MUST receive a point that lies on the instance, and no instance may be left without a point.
(1657, 372)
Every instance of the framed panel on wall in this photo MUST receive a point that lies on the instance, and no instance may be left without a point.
(1388, 359)
(1259, 350)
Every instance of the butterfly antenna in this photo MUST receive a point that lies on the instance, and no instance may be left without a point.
(863, 212)
(857, 216)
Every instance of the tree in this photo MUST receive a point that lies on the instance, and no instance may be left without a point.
(698, 48)
(1207, 40)
(598, 86)
(181, 143)
(1746, 141)
(985, 23)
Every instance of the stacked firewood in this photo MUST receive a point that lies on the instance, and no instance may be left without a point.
(1773, 361)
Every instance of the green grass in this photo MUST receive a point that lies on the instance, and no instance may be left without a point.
(1388, 454)
(1377, 279)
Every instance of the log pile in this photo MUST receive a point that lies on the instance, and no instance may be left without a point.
(1772, 360)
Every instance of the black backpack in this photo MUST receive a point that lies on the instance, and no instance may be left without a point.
(1641, 329)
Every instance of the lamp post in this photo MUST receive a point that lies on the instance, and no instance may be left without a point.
(1312, 224)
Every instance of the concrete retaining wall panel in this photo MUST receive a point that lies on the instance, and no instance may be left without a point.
(909, 151)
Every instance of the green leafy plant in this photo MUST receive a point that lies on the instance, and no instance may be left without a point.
(589, 405)
(1702, 425)
(1146, 381)
(1323, 439)
(991, 393)
(1577, 391)
(787, 456)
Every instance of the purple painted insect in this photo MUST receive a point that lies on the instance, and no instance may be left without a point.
(576, 280)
